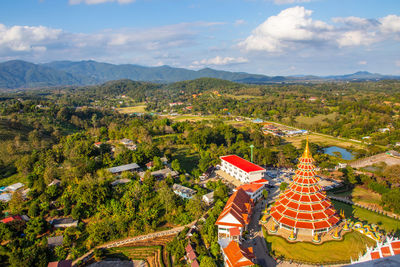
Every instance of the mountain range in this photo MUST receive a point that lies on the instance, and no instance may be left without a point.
(21, 74)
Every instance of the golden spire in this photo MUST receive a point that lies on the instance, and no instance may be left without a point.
(307, 153)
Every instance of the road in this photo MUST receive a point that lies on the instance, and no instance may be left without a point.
(256, 238)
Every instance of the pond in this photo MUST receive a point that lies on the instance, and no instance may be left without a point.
(345, 153)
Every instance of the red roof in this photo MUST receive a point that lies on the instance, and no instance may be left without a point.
(11, 218)
(238, 256)
(194, 264)
(242, 164)
(261, 181)
(234, 231)
(304, 205)
(239, 205)
(251, 188)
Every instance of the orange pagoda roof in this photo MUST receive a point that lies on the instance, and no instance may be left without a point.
(304, 205)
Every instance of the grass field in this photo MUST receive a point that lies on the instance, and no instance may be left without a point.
(187, 158)
(324, 140)
(16, 178)
(190, 117)
(327, 253)
(316, 119)
(386, 223)
(140, 108)
(362, 195)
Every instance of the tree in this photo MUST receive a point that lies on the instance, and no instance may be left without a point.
(207, 261)
(34, 227)
(283, 186)
(265, 194)
(176, 165)
(16, 203)
(34, 209)
(195, 206)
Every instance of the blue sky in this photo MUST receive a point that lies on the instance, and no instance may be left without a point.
(272, 37)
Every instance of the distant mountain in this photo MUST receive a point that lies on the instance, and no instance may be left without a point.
(17, 74)
(20, 74)
(363, 75)
(102, 72)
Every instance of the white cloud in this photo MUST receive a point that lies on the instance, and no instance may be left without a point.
(362, 62)
(356, 38)
(390, 24)
(292, 25)
(397, 63)
(95, 2)
(285, 2)
(218, 60)
(128, 45)
(294, 28)
(26, 38)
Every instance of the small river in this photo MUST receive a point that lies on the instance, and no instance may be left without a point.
(345, 153)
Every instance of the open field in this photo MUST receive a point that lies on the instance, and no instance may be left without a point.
(189, 117)
(16, 178)
(188, 158)
(325, 140)
(316, 119)
(386, 223)
(330, 252)
(240, 97)
(361, 195)
(140, 108)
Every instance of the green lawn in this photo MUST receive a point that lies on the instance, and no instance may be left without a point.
(316, 119)
(188, 158)
(16, 178)
(330, 252)
(386, 223)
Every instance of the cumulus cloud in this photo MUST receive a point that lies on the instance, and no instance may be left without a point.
(294, 28)
(289, 26)
(127, 45)
(95, 2)
(26, 38)
(390, 24)
(218, 60)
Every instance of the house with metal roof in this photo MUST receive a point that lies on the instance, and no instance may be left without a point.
(123, 168)
(183, 191)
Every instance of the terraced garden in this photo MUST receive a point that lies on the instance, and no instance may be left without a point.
(151, 250)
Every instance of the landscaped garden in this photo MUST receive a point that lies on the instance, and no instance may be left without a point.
(354, 212)
(330, 252)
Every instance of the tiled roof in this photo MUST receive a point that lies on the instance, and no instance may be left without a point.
(304, 204)
(11, 218)
(242, 164)
(239, 205)
(238, 255)
(251, 187)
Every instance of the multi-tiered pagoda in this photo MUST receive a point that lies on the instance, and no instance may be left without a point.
(304, 205)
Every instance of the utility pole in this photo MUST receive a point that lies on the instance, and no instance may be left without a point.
(251, 148)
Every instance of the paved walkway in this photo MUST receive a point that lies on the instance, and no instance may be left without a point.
(256, 237)
(128, 240)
